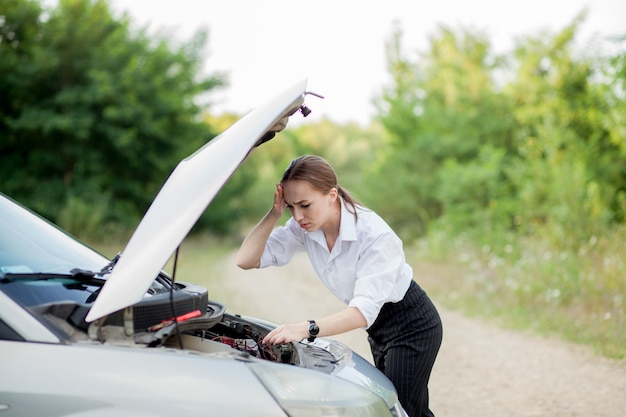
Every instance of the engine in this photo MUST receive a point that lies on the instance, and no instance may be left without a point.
(237, 333)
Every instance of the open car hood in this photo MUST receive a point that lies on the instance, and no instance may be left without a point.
(184, 197)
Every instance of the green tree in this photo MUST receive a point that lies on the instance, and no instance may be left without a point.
(442, 113)
(614, 121)
(522, 163)
(95, 113)
(570, 174)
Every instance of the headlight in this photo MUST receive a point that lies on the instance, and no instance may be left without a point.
(305, 393)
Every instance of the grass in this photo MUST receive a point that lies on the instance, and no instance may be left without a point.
(576, 296)
(202, 261)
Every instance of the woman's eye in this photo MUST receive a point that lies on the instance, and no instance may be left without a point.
(305, 205)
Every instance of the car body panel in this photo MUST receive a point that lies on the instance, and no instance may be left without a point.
(118, 381)
(183, 198)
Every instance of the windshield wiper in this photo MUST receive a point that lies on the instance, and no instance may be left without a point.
(109, 267)
(76, 275)
(104, 271)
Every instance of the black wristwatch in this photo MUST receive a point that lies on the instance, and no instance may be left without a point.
(313, 330)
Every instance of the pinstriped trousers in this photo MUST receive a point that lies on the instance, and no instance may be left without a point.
(405, 340)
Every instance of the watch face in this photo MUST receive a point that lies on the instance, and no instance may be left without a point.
(313, 329)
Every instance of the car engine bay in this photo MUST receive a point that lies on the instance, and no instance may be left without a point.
(202, 325)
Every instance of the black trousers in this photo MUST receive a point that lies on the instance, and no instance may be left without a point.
(405, 340)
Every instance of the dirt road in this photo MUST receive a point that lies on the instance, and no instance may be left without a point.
(481, 371)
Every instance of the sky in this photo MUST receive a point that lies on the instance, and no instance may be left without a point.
(339, 46)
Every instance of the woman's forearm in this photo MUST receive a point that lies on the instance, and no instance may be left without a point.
(251, 249)
(340, 322)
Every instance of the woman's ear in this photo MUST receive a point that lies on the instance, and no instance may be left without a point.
(333, 193)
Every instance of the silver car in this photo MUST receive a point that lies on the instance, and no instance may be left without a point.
(83, 335)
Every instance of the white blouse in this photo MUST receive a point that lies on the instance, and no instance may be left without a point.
(366, 267)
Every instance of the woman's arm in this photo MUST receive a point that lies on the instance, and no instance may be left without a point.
(340, 322)
(251, 249)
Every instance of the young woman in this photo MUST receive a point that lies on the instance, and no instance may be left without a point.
(361, 261)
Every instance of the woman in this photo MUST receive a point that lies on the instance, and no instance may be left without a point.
(361, 260)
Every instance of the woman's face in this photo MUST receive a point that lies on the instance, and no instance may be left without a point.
(311, 208)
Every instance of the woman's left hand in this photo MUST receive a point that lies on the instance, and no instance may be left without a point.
(286, 333)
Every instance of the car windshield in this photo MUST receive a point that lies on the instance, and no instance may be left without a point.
(30, 244)
(40, 263)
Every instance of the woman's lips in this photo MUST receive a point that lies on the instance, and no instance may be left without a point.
(304, 225)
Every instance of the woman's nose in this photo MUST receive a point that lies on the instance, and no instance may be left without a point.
(297, 214)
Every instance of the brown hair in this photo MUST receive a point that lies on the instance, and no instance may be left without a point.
(320, 175)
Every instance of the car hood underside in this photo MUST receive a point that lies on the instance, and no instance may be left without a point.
(185, 195)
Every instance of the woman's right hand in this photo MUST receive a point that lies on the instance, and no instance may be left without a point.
(279, 202)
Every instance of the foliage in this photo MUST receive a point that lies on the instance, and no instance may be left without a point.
(442, 113)
(93, 113)
(525, 141)
(512, 167)
(568, 175)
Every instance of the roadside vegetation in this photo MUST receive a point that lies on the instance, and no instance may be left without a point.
(505, 172)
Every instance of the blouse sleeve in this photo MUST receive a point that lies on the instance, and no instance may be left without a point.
(382, 276)
(283, 243)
